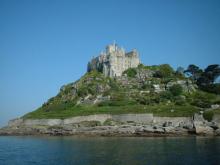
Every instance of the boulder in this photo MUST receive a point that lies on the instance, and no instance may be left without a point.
(148, 129)
(187, 85)
(157, 88)
(213, 125)
(198, 118)
(167, 124)
(169, 129)
(215, 106)
(201, 125)
(203, 130)
(217, 132)
(158, 129)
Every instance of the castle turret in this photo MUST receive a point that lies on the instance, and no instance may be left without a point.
(111, 48)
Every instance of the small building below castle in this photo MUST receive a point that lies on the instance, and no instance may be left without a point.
(114, 61)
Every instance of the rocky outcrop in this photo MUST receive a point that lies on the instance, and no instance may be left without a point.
(186, 85)
(114, 125)
(202, 127)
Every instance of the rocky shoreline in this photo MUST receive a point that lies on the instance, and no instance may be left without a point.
(115, 125)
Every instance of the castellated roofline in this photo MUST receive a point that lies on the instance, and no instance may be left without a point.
(114, 61)
(134, 52)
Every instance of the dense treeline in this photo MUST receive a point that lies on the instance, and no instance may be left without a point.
(205, 79)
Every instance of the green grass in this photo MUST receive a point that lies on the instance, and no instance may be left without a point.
(157, 110)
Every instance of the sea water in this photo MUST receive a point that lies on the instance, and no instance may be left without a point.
(30, 150)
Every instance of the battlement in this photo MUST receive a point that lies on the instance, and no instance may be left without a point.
(114, 61)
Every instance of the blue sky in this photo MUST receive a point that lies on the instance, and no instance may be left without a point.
(47, 43)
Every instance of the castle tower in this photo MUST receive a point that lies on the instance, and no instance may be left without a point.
(114, 61)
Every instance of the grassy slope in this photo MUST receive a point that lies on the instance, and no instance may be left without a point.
(63, 105)
(157, 110)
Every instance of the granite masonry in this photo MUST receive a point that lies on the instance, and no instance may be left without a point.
(114, 61)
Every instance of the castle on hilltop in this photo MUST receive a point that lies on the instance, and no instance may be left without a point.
(114, 61)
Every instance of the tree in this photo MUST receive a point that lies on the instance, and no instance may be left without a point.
(205, 79)
(164, 71)
(212, 72)
(180, 70)
(176, 90)
(194, 72)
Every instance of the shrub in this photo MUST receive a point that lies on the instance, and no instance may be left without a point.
(166, 95)
(176, 90)
(212, 88)
(208, 115)
(59, 106)
(202, 99)
(82, 91)
(108, 122)
(131, 72)
(142, 100)
(164, 71)
(113, 84)
(146, 100)
(179, 100)
(201, 103)
(116, 103)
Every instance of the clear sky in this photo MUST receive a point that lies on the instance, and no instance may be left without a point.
(47, 43)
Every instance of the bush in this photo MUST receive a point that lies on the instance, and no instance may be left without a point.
(164, 71)
(166, 95)
(143, 101)
(212, 88)
(116, 103)
(59, 106)
(208, 115)
(131, 72)
(146, 86)
(176, 90)
(179, 100)
(82, 91)
(203, 99)
(201, 103)
(113, 84)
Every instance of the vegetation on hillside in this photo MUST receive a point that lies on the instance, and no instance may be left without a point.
(157, 89)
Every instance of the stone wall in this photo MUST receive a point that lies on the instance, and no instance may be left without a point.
(101, 118)
(136, 118)
(123, 118)
(175, 121)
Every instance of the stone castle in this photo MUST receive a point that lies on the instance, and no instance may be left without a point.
(114, 61)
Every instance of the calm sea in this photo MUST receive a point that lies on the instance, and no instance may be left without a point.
(109, 151)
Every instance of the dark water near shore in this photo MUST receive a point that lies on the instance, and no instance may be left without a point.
(109, 150)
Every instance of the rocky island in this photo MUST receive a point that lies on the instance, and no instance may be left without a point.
(120, 96)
